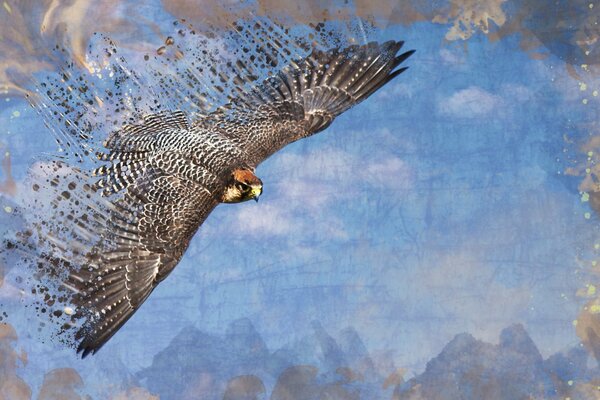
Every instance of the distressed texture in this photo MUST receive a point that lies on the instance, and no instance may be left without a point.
(385, 256)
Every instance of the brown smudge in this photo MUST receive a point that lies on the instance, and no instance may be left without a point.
(244, 387)
(588, 327)
(386, 12)
(23, 51)
(61, 384)
(2, 273)
(349, 375)
(538, 56)
(381, 12)
(11, 386)
(58, 384)
(588, 321)
(9, 185)
(396, 378)
(30, 32)
(300, 377)
(20, 53)
(201, 384)
(586, 391)
(466, 16)
(135, 393)
(75, 22)
(470, 16)
(569, 30)
(33, 27)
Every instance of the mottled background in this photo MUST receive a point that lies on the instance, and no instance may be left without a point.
(439, 241)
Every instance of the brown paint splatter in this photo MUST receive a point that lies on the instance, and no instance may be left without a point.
(469, 16)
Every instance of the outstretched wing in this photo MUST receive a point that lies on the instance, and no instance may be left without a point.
(306, 96)
(146, 233)
(114, 240)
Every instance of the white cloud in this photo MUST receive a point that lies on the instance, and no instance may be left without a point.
(266, 220)
(391, 172)
(517, 93)
(327, 173)
(470, 102)
(462, 286)
(397, 91)
(309, 186)
(453, 56)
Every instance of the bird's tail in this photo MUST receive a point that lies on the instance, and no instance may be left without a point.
(56, 264)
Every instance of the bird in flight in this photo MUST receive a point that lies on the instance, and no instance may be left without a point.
(161, 177)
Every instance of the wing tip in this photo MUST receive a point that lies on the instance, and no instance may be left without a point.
(402, 57)
(85, 350)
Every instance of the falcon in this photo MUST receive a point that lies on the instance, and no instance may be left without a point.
(162, 177)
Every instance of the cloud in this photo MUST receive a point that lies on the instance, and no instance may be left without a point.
(329, 173)
(395, 91)
(271, 221)
(389, 173)
(463, 289)
(308, 186)
(516, 93)
(471, 102)
(453, 56)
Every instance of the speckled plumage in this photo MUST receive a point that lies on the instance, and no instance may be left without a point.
(162, 177)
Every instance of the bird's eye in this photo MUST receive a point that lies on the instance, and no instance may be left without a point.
(242, 186)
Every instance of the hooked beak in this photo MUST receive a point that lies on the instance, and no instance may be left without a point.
(256, 192)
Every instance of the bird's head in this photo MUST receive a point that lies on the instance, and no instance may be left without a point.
(242, 185)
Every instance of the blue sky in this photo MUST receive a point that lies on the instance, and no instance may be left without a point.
(441, 205)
